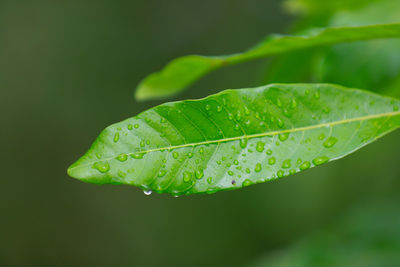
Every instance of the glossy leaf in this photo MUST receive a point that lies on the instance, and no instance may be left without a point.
(182, 72)
(236, 138)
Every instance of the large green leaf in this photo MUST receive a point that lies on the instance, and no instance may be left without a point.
(236, 138)
(182, 72)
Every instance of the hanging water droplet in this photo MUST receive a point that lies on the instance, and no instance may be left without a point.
(320, 160)
(162, 173)
(147, 192)
(243, 143)
(258, 167)
(283, 136)
(116, 137)
(286, 164)
(247, 182)
(272, 161)
(260, 146)
(102, 167)
(305, 165)
(199, 173)
(122, 157)
(137, 155)
(187, 176)
(330, 142)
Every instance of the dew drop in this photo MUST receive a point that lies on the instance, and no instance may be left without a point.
(116, 137)
(190, 155)
(260, 146)
(395, 108)
(230, 173)
(162, 173)
(236, 162)
(199, 173)
(247, 182)
(283, 136)
(321, 136)
(201, 150)
(208, 107)
(209, 180)
(271, 161)
(279, 102)
(247, 170)
(147, 192)
(98, 155)
(130, 126)
(142, 143)
(122, 157)
(258, 167)
(280, 173)
(147, 142)
(121, 174)
(219, 109)
(243, 143)
(137, 155)
(293, 103)
(238, 116)
(320, 160)
(305, 165)
(163, 120)
(286, 164)
(102, 167)
(237, 127)
(269, 152)
(330, 142)
(317, 95)
(280, 123)
(187, 176)
(136, 126)
(326, 110)
(175, 155)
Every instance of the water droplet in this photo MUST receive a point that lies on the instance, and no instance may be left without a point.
(175, 155)
(271, 161)
(317, 95)
(305, 165)
(326, 110)
(147, 142)
(247, 182)
(320, 160)
(162, 173)
(236, 162)
(238, 116)
(209, 180)
(286, 164)
(219, 109)
(243, 143)
(269, 152)
(102, 167)
(137, 155)
(201, 150)
(280, 173)
(247, 170)
(187, 176)
(147, 192)
(279, 102)
(280, 123)
(136, 126)
(395, 108)
(321, 136)
(163, 120)
(330, 142)
(98, 155)
(116, 137)
(260, 146)
(230, 173)
(237, 127)
(258, 167)
(307, 92)
(292, 171)
(121, 174)
(142, 143)
(130, 126)
(219, 162)
(208, 107)
(122, 157)
(246, 111)
(283, 136)
(230, 116)
(190, 155)
(199, 173)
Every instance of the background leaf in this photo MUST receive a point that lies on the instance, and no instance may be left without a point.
(236, 138)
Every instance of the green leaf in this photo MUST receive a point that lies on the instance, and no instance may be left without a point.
(327, 6)
(236, 138)
(182, 72)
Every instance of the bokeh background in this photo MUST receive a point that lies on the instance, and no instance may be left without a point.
(68, 69)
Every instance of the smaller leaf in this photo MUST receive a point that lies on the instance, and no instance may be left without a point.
(182, 72)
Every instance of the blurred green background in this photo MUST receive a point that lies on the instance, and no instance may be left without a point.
(68, 69)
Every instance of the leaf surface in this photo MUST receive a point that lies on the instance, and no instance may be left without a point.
(236, 138)
(182, 72)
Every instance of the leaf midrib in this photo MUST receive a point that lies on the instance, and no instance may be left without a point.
(228, 139)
